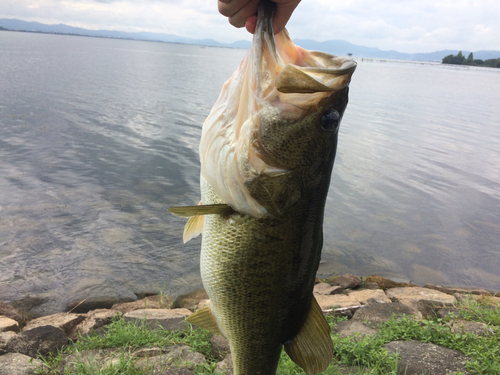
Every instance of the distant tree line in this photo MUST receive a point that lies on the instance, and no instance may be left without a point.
(460, 59)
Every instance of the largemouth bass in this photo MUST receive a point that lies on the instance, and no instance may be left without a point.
(267, 151)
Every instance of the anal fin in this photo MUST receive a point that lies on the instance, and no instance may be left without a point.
(312, 348)
(203, 318)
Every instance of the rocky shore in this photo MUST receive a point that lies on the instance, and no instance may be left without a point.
(365, 302)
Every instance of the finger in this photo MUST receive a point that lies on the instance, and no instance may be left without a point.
(284, 10)
(250, 24)
(238, 11)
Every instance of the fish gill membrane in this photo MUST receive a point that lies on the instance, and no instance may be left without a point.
(267, 151)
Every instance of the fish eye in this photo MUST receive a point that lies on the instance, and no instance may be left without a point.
(330, 120)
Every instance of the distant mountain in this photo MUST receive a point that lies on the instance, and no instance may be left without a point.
(337, 47)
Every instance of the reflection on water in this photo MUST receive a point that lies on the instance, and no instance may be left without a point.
(98, 137)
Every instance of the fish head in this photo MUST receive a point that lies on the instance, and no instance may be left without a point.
(271, 137)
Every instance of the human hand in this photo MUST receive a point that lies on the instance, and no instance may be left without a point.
(244, 13)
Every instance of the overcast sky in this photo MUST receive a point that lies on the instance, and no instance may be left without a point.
(402, 25)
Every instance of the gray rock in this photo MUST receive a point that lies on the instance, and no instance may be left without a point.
(66, 321)
(171, 320)
(11, 312)
(152, 302)
(475, 328)
(97, 358)
(93, 320)
(225, 366)
(403, 295)
(190, 300)
(417, 358)
(220, 346)
(175, 356)
(347, 281)
(8, 324)
(18, 364)
(40, 340)
(5, 337)
(447, 312)
(382, 312)
(326, 289)
(327, 302)
(353, 329)
(427, 308)
(363, 296)
(371, 285)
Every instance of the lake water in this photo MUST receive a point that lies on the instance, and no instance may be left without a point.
(98, 137)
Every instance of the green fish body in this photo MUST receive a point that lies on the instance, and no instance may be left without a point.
(267, 152)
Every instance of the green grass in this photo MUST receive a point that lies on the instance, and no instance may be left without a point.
(363, 352)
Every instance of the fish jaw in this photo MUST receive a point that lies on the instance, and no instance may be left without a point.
(277, 83)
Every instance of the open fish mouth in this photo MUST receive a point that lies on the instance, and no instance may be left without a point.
(276, 78)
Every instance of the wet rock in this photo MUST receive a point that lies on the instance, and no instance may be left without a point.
(152, 302)
(353, 329)
(220, 346)
(66, 321)
(347, 281)
(30, 303)
(405, 295)
(378, 295)
(190, 300)
(225, 366)
(382, 312)
(4, 339)
(40, 340)
(475, 328)
(179, 356)
(336, 300)
(326, 289)
(386, 283)
(171, 320)
(92, 321)
(11, 312)
(417, 358)
(8, 324)
(18, 364)
(93, 303)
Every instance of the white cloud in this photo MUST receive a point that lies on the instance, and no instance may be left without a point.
(407, 26)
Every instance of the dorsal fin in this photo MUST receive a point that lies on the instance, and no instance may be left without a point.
(312, 348)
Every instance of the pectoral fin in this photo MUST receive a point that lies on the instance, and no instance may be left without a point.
(203, 318)
(206, 209)
(312, 348)
(193, 228)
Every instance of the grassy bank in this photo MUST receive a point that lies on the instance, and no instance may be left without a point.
(365, 352)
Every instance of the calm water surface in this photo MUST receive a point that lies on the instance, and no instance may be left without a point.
(98, 137)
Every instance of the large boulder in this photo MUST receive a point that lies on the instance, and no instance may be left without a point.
(326, 289)
(381, 312)
(354, 329)
(94, 320)
(363, 296)
(66, 321)
(409, 295)
(37, 341)
(171, 320)
(18, 364)
(417, 358)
